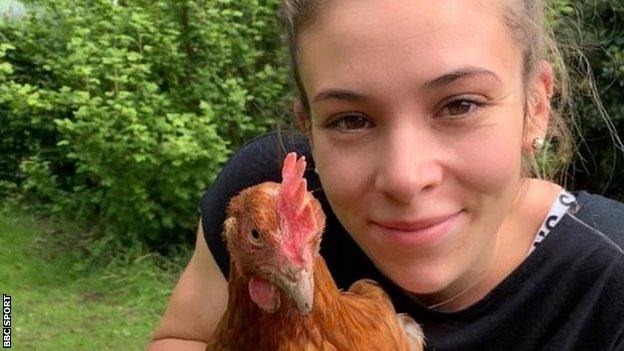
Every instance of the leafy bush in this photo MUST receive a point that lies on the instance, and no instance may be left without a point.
(119, 114)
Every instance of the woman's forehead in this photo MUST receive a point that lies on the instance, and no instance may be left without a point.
(359, 16)
(365, 40)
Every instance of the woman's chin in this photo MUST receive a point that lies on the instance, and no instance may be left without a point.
(421, 275)
(421, 281)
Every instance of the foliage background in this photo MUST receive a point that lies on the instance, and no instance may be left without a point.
(595, 29)
(118, 114)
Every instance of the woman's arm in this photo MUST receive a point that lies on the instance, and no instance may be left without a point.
(196, 304)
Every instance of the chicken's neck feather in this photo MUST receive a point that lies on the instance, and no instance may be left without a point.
(246, 325)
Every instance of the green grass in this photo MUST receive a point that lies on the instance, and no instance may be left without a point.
(62, 302)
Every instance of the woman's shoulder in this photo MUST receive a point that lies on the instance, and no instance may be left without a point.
(589, 240)
(599, 217)
(599, 205)
(259, 160)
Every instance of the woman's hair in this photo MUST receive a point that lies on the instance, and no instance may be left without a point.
(526, 21)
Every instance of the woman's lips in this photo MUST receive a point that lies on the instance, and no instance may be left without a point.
(424, 232)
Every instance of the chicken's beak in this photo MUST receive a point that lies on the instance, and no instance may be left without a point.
(299, 285)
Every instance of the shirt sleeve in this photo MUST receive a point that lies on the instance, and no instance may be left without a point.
(258, 161)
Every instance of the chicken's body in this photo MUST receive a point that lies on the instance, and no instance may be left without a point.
(361, 319)
(271, 319)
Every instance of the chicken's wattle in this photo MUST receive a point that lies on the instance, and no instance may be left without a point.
(264, 294)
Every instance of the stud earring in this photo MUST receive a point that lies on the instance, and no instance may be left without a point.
(537, 144)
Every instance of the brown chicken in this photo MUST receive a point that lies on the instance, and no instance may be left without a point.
(281, 294)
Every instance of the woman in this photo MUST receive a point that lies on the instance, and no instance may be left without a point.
(426, 122)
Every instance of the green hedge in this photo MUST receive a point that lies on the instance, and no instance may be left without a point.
(118, 114)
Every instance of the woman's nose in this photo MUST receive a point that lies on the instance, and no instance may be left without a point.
(409, 164)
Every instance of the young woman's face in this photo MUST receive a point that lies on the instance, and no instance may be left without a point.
(417, 130)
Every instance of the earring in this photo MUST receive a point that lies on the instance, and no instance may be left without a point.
(315, 169)
(537, 144)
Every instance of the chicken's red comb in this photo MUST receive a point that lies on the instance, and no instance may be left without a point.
(297, 216)
(294, 185)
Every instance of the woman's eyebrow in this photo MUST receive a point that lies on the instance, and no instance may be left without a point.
(461, 73)
(338, 94)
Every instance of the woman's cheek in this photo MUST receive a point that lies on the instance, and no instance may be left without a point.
(490, 159)
(344, 180)
(344, 175)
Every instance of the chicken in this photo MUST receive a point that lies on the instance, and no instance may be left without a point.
(281, 294)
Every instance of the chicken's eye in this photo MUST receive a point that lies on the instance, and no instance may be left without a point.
(255, 235)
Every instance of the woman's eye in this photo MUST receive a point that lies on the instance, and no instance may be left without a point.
(350, 122)
(459, 108)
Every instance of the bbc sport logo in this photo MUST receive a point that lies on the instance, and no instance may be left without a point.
(6, 321)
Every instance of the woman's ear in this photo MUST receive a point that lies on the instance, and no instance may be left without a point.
(303, 120)
(538, 104)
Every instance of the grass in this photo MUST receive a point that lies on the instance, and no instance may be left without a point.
(60, 301)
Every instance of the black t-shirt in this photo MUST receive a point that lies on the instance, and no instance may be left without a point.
(567, 295)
